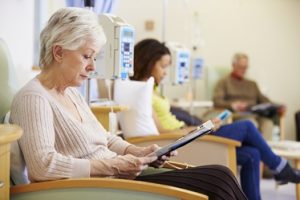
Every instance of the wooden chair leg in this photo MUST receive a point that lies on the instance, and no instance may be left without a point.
(261, 169)
(282, 127)
(297, 165)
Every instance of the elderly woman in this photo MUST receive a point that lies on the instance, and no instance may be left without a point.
(62, 138)
(152, 58)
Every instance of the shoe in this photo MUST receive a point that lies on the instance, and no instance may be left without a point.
(287, 174)
(267, 173)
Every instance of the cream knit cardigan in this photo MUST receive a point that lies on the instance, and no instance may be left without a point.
(55, 145)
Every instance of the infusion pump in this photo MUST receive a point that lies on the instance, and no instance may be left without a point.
(180, 69)
(115, 59)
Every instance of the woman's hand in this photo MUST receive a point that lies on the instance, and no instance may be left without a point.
(141, 151)
(217, 123)
(127, 166)
(130, 166)
(150, 151)
(161, 160)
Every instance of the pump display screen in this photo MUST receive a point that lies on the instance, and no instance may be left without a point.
(126, 46)
(128, 34)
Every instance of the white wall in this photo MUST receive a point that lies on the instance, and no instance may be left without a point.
(16, 22)
(17, 30)
(268, 30)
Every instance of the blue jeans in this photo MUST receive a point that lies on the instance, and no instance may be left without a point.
(254, 148)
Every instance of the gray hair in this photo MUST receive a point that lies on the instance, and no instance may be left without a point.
(69, 28)
(237, 56)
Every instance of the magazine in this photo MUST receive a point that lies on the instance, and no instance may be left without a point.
(265, 109)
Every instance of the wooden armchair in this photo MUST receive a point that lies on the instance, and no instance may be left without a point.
(100, 188)
(208, 149)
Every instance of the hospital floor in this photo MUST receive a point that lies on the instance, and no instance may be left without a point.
(284, 192)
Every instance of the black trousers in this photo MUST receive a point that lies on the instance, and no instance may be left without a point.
(186, 117)
(215, 181)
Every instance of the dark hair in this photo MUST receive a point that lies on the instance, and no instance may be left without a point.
(146, 53)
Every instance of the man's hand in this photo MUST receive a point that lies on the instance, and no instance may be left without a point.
(239, 106)
(282, 110)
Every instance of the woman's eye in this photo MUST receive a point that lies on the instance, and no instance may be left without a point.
(89, 57)
(86, 56)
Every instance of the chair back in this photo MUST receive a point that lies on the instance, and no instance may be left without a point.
(8, 81)
(9, 85)
(214, 74)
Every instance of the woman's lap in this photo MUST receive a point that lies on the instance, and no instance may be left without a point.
(216, 181)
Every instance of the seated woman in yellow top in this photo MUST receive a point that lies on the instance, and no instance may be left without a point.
(152, 58)
(164, 117)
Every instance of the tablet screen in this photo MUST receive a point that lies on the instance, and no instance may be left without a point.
(199, 131)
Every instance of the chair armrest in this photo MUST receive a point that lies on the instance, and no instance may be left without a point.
(102, 113)
(127, 189)
(106, 109)
(176, 135)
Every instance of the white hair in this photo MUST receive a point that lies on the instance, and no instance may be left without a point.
(70, 28)
(237, 56)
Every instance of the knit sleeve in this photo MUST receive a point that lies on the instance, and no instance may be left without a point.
(34, 114)
(219, 97)
(260, 97)
(117, 144)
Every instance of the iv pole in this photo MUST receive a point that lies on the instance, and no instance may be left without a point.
(163, 34)
(89, 4)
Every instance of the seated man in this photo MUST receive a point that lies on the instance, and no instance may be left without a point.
(237, 93)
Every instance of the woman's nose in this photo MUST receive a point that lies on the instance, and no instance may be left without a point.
(91, 66)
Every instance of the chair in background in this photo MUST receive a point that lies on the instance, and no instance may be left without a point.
(88, 188)
(213, 75)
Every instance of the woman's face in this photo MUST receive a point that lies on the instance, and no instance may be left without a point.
(77, 64)
(159, 71)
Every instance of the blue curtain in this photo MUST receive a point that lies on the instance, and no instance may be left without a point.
(101, 6)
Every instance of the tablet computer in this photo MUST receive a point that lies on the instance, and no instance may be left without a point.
(201, 130)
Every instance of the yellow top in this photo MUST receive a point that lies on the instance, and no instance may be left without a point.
(161, 107)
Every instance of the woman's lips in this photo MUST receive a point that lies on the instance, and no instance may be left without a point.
(84, 76)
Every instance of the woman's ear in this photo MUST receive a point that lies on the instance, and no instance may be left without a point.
(57, 52)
